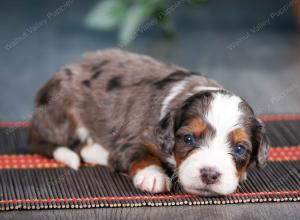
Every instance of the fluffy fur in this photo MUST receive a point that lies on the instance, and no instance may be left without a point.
(132, 113)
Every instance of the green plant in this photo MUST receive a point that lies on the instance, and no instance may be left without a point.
(129, 16)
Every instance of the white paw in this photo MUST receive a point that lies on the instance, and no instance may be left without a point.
(67, 156)
(95, 153)
(152, 179)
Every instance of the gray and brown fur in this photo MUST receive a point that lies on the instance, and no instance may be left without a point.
(117, 96)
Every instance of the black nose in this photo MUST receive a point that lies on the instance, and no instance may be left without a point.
(209, 175)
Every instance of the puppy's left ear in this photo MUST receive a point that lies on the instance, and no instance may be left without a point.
(260, 143)
(165, 133)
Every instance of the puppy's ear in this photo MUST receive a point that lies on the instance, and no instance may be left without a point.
(165, 133)
(260, 143)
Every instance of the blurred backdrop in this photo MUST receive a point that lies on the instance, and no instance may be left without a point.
(252, 47)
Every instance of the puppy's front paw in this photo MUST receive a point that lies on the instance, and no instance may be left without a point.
(152, 179)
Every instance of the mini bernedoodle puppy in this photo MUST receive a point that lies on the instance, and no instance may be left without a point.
(148, 119)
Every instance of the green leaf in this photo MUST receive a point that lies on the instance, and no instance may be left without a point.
(106, 14)
(134, 18)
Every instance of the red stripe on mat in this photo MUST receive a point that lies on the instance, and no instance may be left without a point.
(277, 117)
(23, 161)
(120, 198)
(16, 124)
(282, 117)
(284, 153)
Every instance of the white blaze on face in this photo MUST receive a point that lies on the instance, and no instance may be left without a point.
(223, 115)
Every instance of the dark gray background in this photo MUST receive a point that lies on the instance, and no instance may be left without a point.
(264, 69)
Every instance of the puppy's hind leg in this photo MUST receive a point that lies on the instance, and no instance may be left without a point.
(80, 132)
(67, 156)
(90, 151)
(95, 153)
(61, 154)
(58, 140)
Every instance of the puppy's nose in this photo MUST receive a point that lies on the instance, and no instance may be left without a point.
(209, 175)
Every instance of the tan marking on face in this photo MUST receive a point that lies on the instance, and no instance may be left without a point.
(196, 126)
(241, 171)
(141, 164)
(179, 157)
(238, 135)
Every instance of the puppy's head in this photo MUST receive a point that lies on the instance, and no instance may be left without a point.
(214, 137)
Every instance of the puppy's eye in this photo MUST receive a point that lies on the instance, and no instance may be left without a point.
(189, 139)
(239, 149)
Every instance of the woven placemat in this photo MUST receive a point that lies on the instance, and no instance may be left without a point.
(29, 181)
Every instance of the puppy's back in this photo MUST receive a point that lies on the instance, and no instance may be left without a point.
(92, 87)
(114, 94)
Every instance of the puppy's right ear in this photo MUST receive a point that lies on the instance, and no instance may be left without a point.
(260, 143)
(164, 133)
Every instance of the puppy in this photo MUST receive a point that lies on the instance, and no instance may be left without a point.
(146, 118)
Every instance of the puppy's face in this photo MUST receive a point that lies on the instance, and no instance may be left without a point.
(216, 138)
